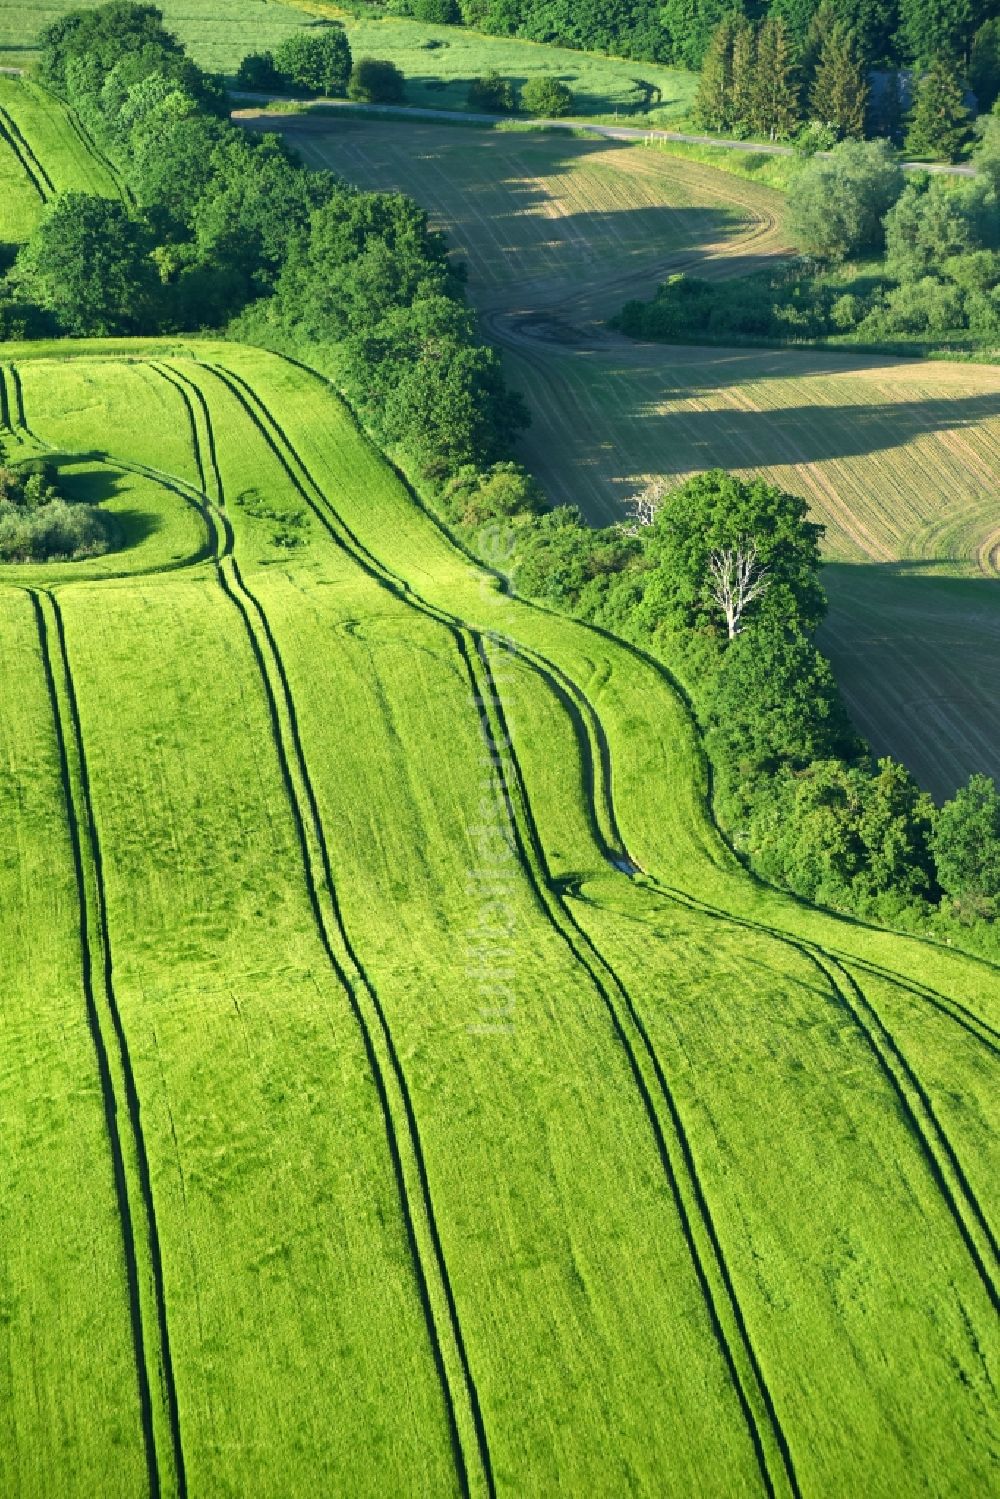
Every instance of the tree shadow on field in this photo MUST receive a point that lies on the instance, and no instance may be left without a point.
(790, 435)
(503, 195)
(917, 657)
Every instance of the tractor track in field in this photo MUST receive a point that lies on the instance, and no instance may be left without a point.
(351, 975)
(914, 1101)
(30, 164)
(151, 1344)
(766, 1434)
(91, 147)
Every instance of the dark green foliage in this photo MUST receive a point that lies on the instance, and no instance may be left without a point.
(505, 492)
(436, 12)
(840, 201)
(838, 96)
(939, 125)
(714, 511)
(773, 702)
(713, 103)
(103, 36)
(940, 278)
(89, 264)
(967, 842)
(317, 60)
(38, 525)
(984, 64)
(492, 94)
(691, 24)
(775, 91)
(229, 218)
(547, 98)
(749, 80)
(931, 29)
(375, 81)
(563, 561)
(844, 836)
(258, 73)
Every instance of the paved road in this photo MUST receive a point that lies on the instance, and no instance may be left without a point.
(612, 132)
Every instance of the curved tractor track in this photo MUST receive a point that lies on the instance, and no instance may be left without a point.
(673, 1147)
(841, 973)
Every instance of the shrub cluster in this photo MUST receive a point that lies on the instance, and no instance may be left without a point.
(939, 275)
(38, 525)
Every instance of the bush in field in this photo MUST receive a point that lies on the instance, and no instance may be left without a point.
(38, 525)
(840, 201)
(546, 98)
(375, 81)
(258, 73)
(317, 60)
(89, 263)
(492, 94)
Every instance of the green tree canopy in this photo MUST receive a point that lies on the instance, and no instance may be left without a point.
(967, 841)
(839, 93)
(89, 262)
(318, 60)
(374, 80)
(939, 125)
(840, 201)
(546, 97)
(690, 25)
(936, 28)
(717, 511)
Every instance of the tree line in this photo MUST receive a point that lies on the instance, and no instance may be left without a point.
(222, 229)
(886, 33)
(766, 80)
(721, 580)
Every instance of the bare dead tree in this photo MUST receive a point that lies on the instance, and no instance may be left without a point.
(738, 579)
(642, 507)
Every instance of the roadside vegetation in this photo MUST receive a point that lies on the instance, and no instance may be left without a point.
(886, 259)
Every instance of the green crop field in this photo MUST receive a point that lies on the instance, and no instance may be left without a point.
(428, 1101)
(43, 151)
(899, 460)
(439, 61)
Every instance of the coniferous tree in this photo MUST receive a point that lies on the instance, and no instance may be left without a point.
(775, 92)
(939, 124)
(984, 65)
(744, 63)
(931, 29)
(824, 19)
(839, 93)
(712, 108)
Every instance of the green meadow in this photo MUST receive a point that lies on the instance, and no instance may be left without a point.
(652, 1174)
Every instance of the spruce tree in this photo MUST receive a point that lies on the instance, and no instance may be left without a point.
(939, 124)
(775, 91)
(839, 94)
(712, 103)
(824, 19)
(744, 62)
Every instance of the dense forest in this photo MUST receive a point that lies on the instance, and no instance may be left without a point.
(889, 32)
